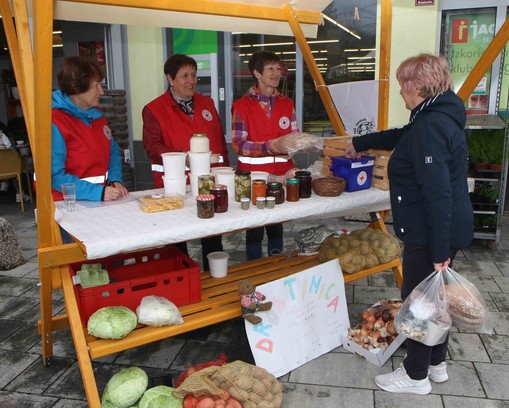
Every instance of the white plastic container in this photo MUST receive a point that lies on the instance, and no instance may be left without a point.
(199, 163)
(174, 164)
(227, 177)
(174, 185)
(218, 264)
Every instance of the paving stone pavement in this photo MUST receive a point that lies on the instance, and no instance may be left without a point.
(478, 365)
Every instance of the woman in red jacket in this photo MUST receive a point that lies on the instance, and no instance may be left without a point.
(170, 120)
(259, 120)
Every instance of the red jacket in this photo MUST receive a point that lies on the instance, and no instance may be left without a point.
(262, 128)
(166, 128)
(88, 148)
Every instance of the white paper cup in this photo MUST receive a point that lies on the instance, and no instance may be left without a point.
(199, 163)
(218, 264)
(174, 164)
(174, 185)
(227, 177)
(259, 175)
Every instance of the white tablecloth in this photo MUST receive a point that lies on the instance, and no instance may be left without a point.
(110, 228)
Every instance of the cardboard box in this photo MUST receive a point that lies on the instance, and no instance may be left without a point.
(377, 357)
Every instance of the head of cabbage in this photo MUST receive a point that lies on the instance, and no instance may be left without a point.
(160, 397)
(112, 322)
(125, 388)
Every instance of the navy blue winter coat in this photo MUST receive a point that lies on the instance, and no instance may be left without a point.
(428, 175)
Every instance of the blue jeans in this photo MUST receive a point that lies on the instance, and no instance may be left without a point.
(254, 238)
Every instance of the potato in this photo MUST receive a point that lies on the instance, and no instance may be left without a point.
(206, 402)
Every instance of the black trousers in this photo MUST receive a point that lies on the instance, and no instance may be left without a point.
(418, 265)
(208, 245)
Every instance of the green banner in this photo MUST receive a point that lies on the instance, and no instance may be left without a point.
(194, 41)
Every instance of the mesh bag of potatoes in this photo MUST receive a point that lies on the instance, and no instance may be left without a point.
(361, 249)
(252, 386)
(385, 246)
(354, 255)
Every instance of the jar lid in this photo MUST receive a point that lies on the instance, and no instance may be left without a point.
(242, 172)
(260, 198)
(219, 187)
(244, 200)
(205, 197)
(293, 181)
(270, 198)
(259, 181)
(205, 177)
(302, 173)
(275, 185)
(200, 135)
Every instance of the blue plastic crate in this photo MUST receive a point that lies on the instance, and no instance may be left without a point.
(356, 172)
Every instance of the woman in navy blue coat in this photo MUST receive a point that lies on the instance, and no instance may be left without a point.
(431, 208)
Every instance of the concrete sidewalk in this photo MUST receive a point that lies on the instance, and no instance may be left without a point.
(478, 365)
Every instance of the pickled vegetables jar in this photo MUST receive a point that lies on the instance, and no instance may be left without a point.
(220, 193)
(242, 184)
(205, 205)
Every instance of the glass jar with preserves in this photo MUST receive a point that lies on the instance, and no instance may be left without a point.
(260, 203)
(205, 205)
(277, 191)
(244, 203)
(258, 189)
(205, 184)
(305, 183)
(292, 189)
(199, 143)
(220, 193)
(270, 202)
(242, 184)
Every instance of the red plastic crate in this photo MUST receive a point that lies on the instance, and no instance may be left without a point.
(165, 272)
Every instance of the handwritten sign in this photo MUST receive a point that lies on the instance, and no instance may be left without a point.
(308, 316)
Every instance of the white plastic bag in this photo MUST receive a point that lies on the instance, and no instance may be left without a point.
(424, 315)
(466, 305)
(158, 311)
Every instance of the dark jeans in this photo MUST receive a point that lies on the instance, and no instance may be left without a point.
(208, 245)
(254, 238)
(417, 265)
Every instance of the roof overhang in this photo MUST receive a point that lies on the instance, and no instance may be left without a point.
(253, 16)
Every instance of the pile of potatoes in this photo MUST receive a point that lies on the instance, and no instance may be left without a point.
(361, 249)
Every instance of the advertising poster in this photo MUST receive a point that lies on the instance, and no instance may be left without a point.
(308, 316)
(469, 36)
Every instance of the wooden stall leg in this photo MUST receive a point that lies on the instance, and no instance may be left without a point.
(45, 327)
(80, 344)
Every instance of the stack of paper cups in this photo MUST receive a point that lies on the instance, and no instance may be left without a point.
(174, 178)
(227, 177)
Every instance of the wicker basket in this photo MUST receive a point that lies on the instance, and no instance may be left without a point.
(328, 186)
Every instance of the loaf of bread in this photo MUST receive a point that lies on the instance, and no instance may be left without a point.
(158, 202)
(467, 312)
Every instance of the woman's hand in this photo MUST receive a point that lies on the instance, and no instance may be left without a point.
(115, 190)
(350, 152)
(442, 265)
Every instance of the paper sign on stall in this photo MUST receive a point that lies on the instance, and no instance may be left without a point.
(308, 317)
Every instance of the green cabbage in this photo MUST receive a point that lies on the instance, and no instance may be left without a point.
(125, 388)
(160, 397)
(112, 322)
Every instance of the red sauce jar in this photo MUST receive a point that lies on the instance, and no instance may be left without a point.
(220, 193)
(277, 191)
(258, 189)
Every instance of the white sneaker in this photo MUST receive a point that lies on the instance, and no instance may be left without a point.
(399, 382)
(438, 373)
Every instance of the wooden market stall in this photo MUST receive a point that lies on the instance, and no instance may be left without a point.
(29, 36)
